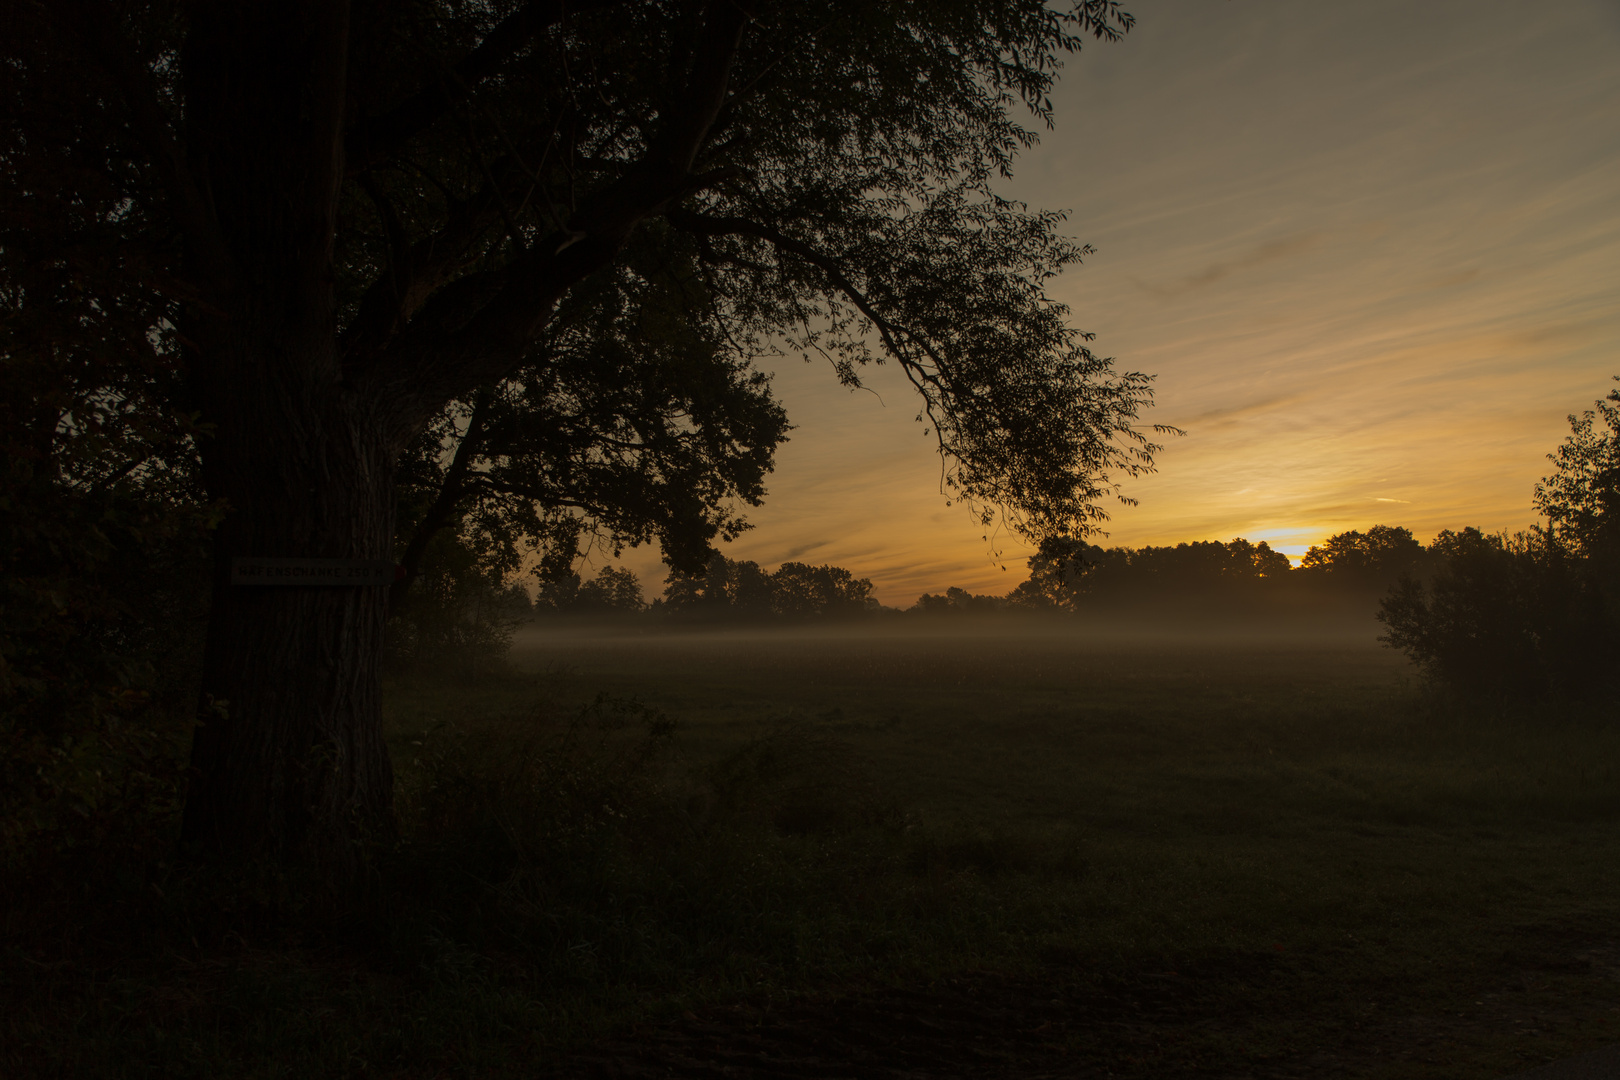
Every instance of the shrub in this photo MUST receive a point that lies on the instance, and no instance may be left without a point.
(1505, 617)
(459, 614)
(103, 601)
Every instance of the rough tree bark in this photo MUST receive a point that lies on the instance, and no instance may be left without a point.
(288, 757)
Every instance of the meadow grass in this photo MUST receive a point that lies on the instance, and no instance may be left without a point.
(1305, 859)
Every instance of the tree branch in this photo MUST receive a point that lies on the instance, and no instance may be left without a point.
(890, 332)
(895, 337)
(415, 271)
(445, 351)
(442, 511)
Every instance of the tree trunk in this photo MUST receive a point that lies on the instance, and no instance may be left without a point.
(288, 759)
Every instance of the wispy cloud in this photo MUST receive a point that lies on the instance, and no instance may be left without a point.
(1221, 418)
(804, 549)
(1452, 280)
(1268, 252)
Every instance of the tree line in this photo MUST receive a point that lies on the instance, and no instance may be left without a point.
(1065, 576)
(1524, 615)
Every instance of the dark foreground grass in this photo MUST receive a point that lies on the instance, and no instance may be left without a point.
(1228, 854)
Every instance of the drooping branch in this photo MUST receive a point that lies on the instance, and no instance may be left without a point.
(897, 340)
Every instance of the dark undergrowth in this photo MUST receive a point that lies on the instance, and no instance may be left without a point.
(573, 872)
(541, 893)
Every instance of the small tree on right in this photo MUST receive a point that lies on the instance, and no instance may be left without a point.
(1533, 614)
(1581, 499)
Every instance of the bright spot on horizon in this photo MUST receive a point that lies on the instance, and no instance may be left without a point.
(1373, 272)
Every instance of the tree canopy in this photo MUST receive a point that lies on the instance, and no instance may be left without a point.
(1372, 560)
(1066, 573)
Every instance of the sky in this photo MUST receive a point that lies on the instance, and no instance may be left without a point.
(1371, 253)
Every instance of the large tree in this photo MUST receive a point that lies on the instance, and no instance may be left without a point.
(342, 219)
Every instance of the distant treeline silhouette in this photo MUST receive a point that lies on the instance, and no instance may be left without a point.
(728, 589)
(1065, 576)
(1069, 575)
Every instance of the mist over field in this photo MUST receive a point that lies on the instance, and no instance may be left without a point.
(1268, 817)
(1010, 653)
(1126, 628)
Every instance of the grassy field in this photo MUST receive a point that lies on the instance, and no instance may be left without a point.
(1121, 852)
(1132, 800)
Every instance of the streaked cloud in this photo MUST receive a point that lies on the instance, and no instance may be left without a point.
(1265, 253)
(1358, 261)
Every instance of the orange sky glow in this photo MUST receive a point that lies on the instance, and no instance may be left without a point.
(1371, 253)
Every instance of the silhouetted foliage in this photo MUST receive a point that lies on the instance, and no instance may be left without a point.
(727, 589)
(1505, 616)
(802, 591)
(102, 608)
(613, 591)
(1067, 574)
(795, 592)
(634, 419)
(1370, 561)
(1581, 499)
(462, 612)
(1533, 614)
(1056, 571)
(103, 529)
(955, 601)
